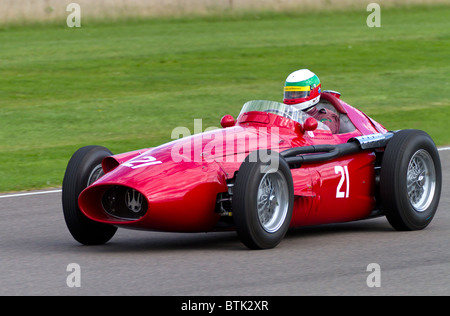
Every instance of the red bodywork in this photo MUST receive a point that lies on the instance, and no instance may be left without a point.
(182, 180)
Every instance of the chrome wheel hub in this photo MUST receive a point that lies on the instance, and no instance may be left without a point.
(272, 201)
(421, 180)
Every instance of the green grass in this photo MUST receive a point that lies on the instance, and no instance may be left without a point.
(127, 84)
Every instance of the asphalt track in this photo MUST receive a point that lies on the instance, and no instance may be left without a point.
(36, 249)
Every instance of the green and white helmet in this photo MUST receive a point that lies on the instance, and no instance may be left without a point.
(302, 89)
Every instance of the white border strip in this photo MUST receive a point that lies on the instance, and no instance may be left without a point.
(29, 193)
(59, 190)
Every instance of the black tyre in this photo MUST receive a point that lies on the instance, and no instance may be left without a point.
(410, 180)
(263, 199)
(83, 169)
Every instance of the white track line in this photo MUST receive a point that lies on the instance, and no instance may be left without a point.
(59, 190)
(29, 193)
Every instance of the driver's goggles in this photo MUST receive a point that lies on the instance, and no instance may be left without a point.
(296, 92)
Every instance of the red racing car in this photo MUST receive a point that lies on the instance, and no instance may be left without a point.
(272, 168)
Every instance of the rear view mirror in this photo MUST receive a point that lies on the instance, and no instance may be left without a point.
(310, 124)
(227, 121)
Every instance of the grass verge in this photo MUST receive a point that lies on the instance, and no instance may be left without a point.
(126, 84)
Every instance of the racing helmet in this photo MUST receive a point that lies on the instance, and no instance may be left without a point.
(302, 89)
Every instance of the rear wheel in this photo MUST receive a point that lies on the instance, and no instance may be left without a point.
(83, 169)
(410, 180)
(263, 200)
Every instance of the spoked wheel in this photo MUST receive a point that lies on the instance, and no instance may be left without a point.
(272, 201)
(410, 180)
(263, 200)
(84, 168)
(421, 180)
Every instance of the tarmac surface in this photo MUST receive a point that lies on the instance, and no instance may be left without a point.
(358, 258)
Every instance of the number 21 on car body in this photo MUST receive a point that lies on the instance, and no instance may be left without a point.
(341, 191)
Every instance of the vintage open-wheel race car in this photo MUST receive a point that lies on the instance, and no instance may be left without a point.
(272, 168)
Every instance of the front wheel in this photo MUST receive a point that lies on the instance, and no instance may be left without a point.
(83, 169)
(410, 180)
(263, 200)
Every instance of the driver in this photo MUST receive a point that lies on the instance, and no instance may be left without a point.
(302, 90)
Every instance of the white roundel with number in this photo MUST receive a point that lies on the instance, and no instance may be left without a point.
(141, 161)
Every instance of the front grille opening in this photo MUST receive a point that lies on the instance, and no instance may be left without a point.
(124, 203)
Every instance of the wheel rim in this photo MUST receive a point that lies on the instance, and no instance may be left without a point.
(96, 174)
(272, 201)
(421, 180)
